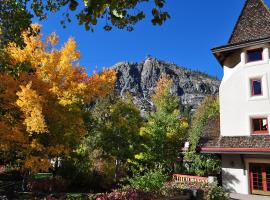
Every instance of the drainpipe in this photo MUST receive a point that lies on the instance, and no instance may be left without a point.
(243, 163)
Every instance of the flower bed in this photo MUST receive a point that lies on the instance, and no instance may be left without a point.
(47, 185)
(131, 194)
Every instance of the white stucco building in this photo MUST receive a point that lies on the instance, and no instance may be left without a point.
(243, 139)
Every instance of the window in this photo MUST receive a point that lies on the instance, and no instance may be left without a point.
(254, 55)
(260, 126)
(256, 87)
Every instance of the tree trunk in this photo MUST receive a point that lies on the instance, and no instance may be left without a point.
(116, 170)
(26, 175)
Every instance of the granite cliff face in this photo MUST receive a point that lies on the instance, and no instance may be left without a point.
(139, 80)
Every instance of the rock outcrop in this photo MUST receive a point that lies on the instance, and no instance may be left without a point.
(139, 80)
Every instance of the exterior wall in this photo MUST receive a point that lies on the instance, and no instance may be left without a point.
(237, 106)
(234, 177)
(235, 171)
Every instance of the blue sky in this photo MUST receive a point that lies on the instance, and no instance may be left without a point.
(195, 27)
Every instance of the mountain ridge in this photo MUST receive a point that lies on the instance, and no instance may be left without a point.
(139, 79)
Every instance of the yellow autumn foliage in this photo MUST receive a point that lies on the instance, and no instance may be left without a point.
(37, 164)
(31, 105)
(184, 123)
(36, 146)
(58, 68)
(41, 110)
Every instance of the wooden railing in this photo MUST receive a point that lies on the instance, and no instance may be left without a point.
(186, 178)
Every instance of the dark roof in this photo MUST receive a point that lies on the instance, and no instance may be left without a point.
(252, 28)
(211, 139)
(253, 23)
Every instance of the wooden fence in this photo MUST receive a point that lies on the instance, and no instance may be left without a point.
(186, 178)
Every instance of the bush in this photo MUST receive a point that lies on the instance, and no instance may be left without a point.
(171, 189)
(216, 192)
(148, 181)
(123, 195)
(207, 191)
(55, 184)
(94, 178)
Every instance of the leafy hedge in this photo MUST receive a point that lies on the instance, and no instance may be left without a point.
(147, 181)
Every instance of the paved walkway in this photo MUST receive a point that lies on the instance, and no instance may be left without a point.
(235, 196)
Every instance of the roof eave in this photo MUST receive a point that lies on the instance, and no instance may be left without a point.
(217, 150)
(231, 47)
(235, 152)
(219, 52)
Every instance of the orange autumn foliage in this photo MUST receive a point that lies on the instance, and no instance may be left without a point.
(163, 87)
(41, 110)
(11, 124)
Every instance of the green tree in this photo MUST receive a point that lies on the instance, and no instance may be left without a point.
(14, 19)
(165, 128)
(202, 164)
(15, 15)
(114, 126)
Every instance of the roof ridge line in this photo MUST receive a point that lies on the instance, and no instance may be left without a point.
(265, 5)
(238, 20)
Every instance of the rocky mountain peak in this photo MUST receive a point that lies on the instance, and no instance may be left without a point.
(140, 79)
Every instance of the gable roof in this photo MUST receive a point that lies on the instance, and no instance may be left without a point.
(253, 23)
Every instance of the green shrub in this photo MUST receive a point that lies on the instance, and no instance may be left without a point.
(150, 180)
(210, 191)
(216, 192)
(78, 196)
(170, 190)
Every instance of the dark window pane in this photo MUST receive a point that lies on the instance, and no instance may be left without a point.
(260, 125)
(256, 87)
(254, 55)
(267, 169)
(257, 177)
(256, 125)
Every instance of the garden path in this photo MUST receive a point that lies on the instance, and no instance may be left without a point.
(235, 196)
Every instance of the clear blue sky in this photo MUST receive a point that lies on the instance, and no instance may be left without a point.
(195, 27)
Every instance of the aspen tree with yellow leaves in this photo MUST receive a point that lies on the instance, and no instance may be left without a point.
(42, 106)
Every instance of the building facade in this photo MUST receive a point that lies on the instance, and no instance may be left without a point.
(243, 138)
